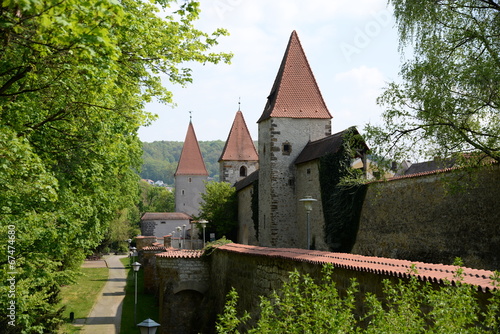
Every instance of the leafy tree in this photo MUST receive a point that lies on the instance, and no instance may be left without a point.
(74, 78)
(155, 199)
(449, 100)
(220, 208)
(161, 158)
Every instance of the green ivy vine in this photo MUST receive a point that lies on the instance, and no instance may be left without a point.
(255, 207)
(343, 191)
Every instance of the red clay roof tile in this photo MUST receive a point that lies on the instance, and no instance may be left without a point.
(239, 145)
(295, 93)
(191, 160)
(438, 273)
(181, 253)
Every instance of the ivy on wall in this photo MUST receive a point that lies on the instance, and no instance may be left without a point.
(342, 192)
(255, 207)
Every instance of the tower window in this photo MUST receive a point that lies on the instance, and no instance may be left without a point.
(286, 148)
(182, 192)
(190, 180)
(243, 171)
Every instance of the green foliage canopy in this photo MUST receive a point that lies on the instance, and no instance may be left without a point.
(220, 208)
(449, 99)
(74, 78)
(161, 159)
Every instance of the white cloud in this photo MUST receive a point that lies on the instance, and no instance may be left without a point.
(259, 35)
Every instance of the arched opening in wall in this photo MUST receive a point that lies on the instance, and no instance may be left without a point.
(243, 171)
(185, 312)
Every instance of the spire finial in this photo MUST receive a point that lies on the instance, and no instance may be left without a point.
(239, 103)
(190, 116)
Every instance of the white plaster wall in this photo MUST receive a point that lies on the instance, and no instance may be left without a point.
(189, 201)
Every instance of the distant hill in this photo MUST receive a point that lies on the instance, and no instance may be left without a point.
(160, 159)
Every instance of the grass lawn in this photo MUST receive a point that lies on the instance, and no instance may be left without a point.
(146, 304)
(81, 296)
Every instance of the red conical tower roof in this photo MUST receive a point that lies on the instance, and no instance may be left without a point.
(295, 93)
(191, 160)
(239, 145)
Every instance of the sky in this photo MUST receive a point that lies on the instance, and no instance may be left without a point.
(352, 48)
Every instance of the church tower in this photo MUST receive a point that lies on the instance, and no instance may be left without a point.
(190, 176)
(239, 157)
(295, 113)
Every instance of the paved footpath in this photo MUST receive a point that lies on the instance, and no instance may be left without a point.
(106, 314)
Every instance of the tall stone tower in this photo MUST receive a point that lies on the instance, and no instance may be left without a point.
(295, 113)
(190, 176)
(239, 157)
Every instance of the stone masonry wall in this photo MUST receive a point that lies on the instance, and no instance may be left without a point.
(183, 281)
(258, 271)
(307, 184)
(230, 170)
(246, 229)
(280, 142)
(425, 219)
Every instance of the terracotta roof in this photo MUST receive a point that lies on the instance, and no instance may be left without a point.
(181, 253)
(437, 273)
(295, 93)
(165, 216)
(239, 145)
(154, 248)
(191, 160)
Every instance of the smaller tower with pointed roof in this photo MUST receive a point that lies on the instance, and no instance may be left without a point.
(239, 157)
(190, 176)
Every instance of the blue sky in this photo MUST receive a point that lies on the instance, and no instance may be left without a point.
(352, 48)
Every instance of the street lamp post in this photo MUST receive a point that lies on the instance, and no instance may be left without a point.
(132, 254)
(203, 223)
(179, 230)
(136, 266)
(183, 236)
(148, 326)
(308, 200)
(191, 223)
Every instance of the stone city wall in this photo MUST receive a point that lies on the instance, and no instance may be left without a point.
(434, 218)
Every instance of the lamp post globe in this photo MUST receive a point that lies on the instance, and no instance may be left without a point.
(308, 201)
(203, 223)
(135, 266)
(148, 326)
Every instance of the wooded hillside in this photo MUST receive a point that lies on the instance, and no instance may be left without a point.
(160, 159)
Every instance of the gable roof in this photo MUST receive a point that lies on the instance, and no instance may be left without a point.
(165, 216)
(239, 145)
(247, 181)
(430, 166)
(295, 93)
(191, 160)
(331, 144)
